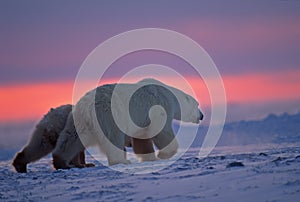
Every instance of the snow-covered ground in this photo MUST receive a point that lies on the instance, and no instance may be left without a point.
(262, 175)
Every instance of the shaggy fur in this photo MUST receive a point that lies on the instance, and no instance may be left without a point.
(110, 139)
(44, 138)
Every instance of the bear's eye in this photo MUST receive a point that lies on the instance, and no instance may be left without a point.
(187, 99)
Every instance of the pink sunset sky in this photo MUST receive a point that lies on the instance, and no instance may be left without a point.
(254, 44)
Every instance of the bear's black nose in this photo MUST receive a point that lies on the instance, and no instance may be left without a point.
(201, 116)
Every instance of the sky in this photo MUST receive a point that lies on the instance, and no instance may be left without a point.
(254, 44)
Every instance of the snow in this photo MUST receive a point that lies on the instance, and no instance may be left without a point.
(269, 149)
(267, 175)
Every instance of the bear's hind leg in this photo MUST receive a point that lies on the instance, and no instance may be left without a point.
(67, 148)
(76, 161)
(20, 162)
(79, 161)
(38, 147)
(82, 160)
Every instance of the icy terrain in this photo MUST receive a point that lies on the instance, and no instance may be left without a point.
(254, 161)
(270, 175)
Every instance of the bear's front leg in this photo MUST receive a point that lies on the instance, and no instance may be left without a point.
(67, 148)
(115, 151)
(38, 147)
(116, 156)
(143, 149)
(59, 163)
(166, 142)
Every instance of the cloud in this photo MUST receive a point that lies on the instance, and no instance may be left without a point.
(45, 41)
(248, 45)
(254, 44)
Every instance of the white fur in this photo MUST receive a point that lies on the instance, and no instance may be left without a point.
(95, 123)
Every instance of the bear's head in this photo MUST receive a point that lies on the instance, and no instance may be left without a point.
(186, 107)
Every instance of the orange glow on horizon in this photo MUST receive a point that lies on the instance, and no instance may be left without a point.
(30, 101)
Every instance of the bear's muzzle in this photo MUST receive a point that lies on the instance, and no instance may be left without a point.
(199, 116)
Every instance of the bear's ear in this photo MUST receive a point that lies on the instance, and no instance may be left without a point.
(153, 90)
(187, 98)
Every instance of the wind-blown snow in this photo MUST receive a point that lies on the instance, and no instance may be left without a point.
(272, 175)
(265, 156)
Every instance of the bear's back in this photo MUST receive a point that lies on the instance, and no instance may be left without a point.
(56, 118)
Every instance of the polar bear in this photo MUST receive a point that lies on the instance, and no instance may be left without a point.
(44, 138)
(95, 122)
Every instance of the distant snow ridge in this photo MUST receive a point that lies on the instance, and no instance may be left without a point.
(284, 128)
(273, 129)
